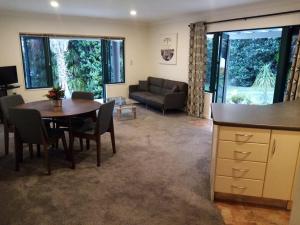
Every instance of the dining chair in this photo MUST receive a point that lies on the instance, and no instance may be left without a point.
(94, 130)
(6, 103)
(77, 95)
(32, 130)
(82, 95)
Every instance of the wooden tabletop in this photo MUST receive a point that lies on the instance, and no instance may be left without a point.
(283, 116)
(69, 107)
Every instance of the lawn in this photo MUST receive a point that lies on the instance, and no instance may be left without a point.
(249, 95)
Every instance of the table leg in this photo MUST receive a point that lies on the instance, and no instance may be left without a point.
(119, 112)
(71, 143)
(134, 112)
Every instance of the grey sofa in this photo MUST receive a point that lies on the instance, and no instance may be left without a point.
(160, 93)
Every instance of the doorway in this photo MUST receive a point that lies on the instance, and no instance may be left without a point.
(249, 66)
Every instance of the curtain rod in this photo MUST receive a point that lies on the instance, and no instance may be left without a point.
(71, 36)
(253, 17)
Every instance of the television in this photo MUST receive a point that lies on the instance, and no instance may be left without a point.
(8, 75)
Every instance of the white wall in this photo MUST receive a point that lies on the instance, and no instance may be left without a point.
(136, 59)
(180, 26)
(142, 41)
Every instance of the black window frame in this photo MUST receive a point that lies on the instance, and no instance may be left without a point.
(106, 52)
(48, 64)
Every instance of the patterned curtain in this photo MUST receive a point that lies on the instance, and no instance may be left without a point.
(293, 87)
(197, 69)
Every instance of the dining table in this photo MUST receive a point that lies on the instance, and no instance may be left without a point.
(69, 109)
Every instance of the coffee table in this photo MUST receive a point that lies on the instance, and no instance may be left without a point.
(123, 104)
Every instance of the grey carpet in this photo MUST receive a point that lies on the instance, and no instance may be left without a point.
(159, 176)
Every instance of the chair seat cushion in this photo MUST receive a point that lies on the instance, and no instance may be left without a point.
(87, 127)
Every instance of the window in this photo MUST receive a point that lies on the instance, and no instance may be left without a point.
(77, 65)
(249, 66)
(115, 60)
(82, 64)
(209, 38)
(36, 62)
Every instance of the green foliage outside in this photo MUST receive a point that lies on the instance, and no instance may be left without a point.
(265, 78)
(77, 65)
(240, 99)
(264, 81)
(248, 56)
(83, 62)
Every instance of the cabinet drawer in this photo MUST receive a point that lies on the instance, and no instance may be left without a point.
(238, 186)
(241, 169)
(244, 134)
(243, 151)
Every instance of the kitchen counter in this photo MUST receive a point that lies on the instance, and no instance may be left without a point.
(256, 153)
(279, 116)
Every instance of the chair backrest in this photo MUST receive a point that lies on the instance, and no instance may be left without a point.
(8, 102)
(104, 117)
(82, 95)
(29, 125)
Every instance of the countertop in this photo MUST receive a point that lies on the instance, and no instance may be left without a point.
(281, 116)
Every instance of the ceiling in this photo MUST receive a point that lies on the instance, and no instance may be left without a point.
(148, 10)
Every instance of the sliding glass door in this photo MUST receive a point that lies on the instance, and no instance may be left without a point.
(222, 63)
(244, 67)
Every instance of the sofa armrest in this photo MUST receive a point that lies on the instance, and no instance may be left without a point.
(133, 88)
(176, 100)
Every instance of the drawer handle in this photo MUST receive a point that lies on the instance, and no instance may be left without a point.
(244, 135)
(241, 170)
(241, 152)
(274, 147)
(238, 187)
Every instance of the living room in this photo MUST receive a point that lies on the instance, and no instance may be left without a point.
(161, 171)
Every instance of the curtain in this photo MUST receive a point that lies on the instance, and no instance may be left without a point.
(293, 86)
(197, 69)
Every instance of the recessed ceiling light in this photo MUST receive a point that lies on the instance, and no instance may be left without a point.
(133, 12)
(54, 4)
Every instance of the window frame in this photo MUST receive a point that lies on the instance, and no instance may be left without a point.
(105, 59)
(48, 63)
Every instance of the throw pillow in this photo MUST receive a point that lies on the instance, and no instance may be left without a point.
(143, 85)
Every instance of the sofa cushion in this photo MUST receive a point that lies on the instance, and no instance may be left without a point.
(143, 85)
(155, 98)
(155, 85)
(139, 95)
(175, 89)
(155, 81)
(169, 84)
(148, 98)
(166, 91)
